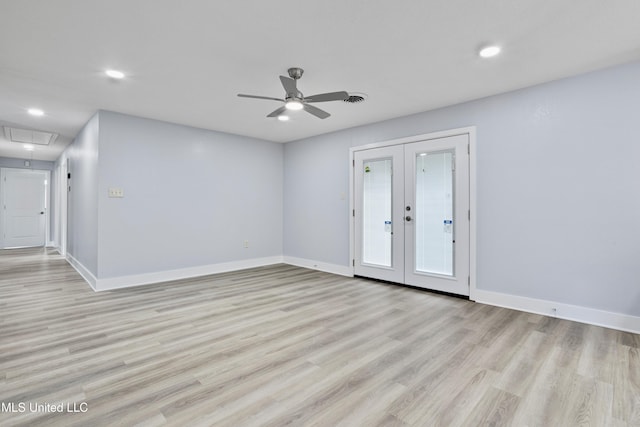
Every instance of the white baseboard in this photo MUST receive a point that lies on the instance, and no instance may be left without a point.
(592, 316)
(51, 244)
(59, 250)
(83, 271)
(182, 273)
(319, 265)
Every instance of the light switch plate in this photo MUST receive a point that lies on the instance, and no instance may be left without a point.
(116, 192)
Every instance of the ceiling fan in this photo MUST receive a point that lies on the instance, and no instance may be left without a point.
(294, 100)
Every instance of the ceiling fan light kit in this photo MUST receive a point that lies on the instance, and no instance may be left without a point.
(293, 105)
(294, 100)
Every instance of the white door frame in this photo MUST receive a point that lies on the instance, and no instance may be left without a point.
(47, 217)
(471, 132)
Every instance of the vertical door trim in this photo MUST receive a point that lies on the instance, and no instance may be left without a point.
(471, 132)
(60, 213)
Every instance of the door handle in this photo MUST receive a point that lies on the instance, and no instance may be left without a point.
(407, 218)
(41, 213)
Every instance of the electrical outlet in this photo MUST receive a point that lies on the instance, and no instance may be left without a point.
(246, 243)
(116, 192)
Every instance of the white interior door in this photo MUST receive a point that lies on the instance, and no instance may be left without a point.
(379, 182)
(24, 207)
(437, 214)
(412, 214)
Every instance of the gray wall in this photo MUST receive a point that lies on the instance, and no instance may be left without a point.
(191, 197)
(557, 189)
(82, 232)
(9, 162)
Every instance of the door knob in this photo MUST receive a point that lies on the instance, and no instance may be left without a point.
(407, 218)
(41, 213)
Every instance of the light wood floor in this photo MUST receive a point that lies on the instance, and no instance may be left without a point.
(281, 345)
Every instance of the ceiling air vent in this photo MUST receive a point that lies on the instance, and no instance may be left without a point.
(28, 136)
(354, 98)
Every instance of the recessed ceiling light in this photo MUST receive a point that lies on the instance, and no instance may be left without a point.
(29, 147)
(283, 118)
(293, 104)
(35, 112)
(114, 74)
(489, 51)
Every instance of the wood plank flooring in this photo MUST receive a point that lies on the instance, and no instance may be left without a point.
(285, 346)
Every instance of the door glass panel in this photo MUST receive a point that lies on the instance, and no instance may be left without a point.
(434, 213)
(376, 212)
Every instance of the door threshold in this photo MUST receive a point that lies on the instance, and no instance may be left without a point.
(418, 288)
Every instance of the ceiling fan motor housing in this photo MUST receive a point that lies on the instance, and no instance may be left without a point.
(294, 97)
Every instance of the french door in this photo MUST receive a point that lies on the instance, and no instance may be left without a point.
(412, 214)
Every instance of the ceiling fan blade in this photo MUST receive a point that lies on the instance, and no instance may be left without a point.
(315, 111)
(289, 85)
(241, 95)
(277, 112)
(331, 96)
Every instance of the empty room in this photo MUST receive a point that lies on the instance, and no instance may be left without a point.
(337, 213)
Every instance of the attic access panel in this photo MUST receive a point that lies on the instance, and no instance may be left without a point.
(28, 136)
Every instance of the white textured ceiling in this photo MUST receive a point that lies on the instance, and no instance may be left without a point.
(186, 60)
